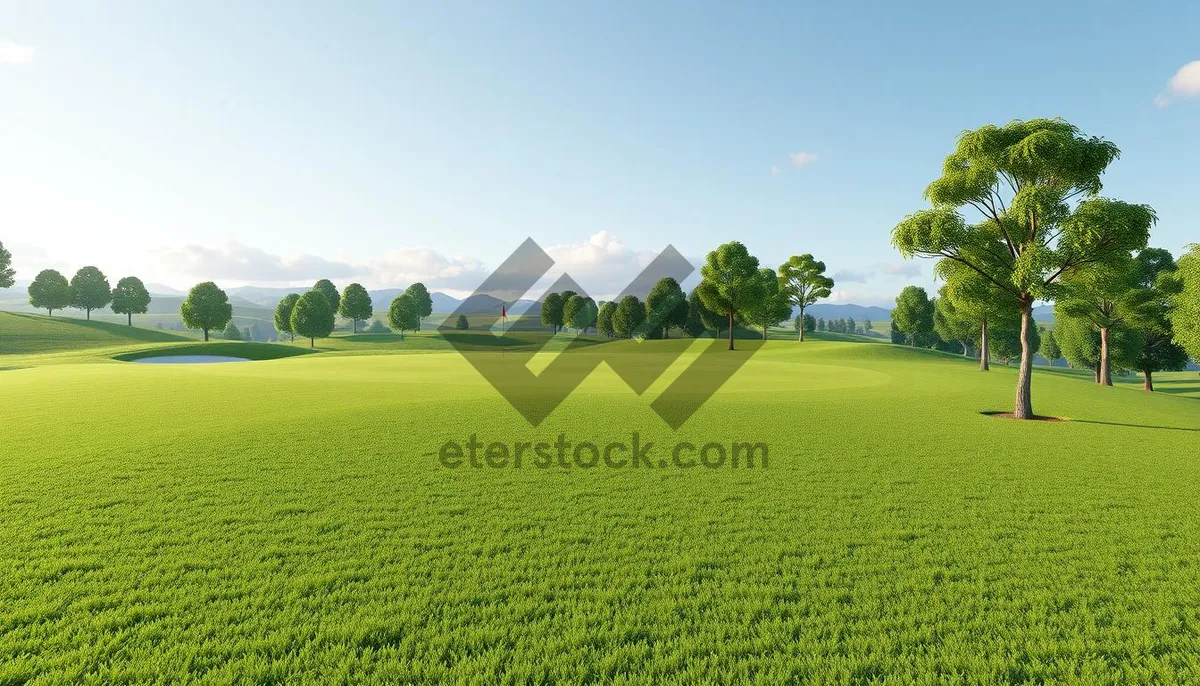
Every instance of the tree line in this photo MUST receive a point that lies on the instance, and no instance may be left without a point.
(88, 290)
(1043, 233)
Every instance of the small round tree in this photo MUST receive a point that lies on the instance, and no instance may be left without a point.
(283, 314)
(312, 317)
(7, 275)
(356, 304)
(604, 319)
(330, 291)
(130, 297)
(629, 317)
(422, 299)
(461, 323)
(666, 306)
(404, 315)
(50, 290)
(232, 332)
(730, 282)
(90, 290)
(206, 308)
(552, 311)
(914, 315)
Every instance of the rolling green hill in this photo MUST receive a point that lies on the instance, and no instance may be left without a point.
(34, 333)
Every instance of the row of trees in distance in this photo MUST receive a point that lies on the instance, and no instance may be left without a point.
(88, 290)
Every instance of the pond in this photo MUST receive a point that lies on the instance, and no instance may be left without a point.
(189, 359)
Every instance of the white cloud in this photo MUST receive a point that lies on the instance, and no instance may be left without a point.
(1184, 84)
(399, 268)
(236, 262)
(902, 269)
(799, 159)
(602, 266)
(15, 53)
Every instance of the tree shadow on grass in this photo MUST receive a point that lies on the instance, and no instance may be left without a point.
(1137, 426)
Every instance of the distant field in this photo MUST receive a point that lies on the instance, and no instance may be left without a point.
(287, 521)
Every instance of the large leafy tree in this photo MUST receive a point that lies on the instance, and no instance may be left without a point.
(312, 317)
(50, 290)
(424, 302)
(130, 297)
(206, 308)
(913, 315)
(7, 275)
(1033, 185)
(775, 304)
(604, 318)
(283, 314)
(666, 306)
(330, 291)
(1184, 314)
(1107, 294)
(629, 317)
(404, 314)
(552, 311)
(355, 305)
(701, 319)
(1079, 342)
(579, 313)
(90, 290)
(730, 282)
(805, 282)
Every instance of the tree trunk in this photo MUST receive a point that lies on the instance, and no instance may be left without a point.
(801, 339)
(1148, 386)
(129, 321)
(985, 353)
(206, 335)
(312, 342)
(1105, 365)
(49, 312)
(968, 348)
(1023, 406)
(89, 313)
(731, 329)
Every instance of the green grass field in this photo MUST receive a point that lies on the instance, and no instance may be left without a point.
(287, 521)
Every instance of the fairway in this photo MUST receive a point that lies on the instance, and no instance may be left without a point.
(288, 521)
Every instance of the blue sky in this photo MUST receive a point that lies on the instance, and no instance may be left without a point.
(280, 143)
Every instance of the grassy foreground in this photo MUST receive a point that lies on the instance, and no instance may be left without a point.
(287, 521)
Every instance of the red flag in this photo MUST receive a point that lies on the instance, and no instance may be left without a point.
(503, 312)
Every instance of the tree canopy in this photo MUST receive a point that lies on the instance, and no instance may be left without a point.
(913, 315)
(312, 316)
(90, 290)
(730, 282)
(804, 282)
(1034, 186)
(579, 312)
(774, 304)
(232, 332)
(7, 275)
(403, 314)
(50, 290)
(420, 296)
(206, 308)
(666, 306)
(130, 297)
(1185, 302)
(629, 316)
(552, 311)
(330, 291)
(356, 305)
(604, 318)
(283, 314)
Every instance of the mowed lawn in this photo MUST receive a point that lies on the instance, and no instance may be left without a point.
(287, 521)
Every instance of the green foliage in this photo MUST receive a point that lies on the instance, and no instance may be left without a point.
(1185, 303)
(666, 306)
(806, 323)
(604, 319)
(421, 297)
(954, 324)
(774, 304)
(90, 290)
(377, 327)
(913, 316)
(552, 311)
(130, 297)
(330, 291)
(1049, 348)
(730, 283)
(206, 308)
(707, 319)
(804, 281)
(232, 332)
(461, 324)
(7, 275)
(355, 304)
(50, 290)
(1004, 341)
(1079, 341)
(312, 317)
(628, 318)
(404, 314)
(579, 313)
(283, 314)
